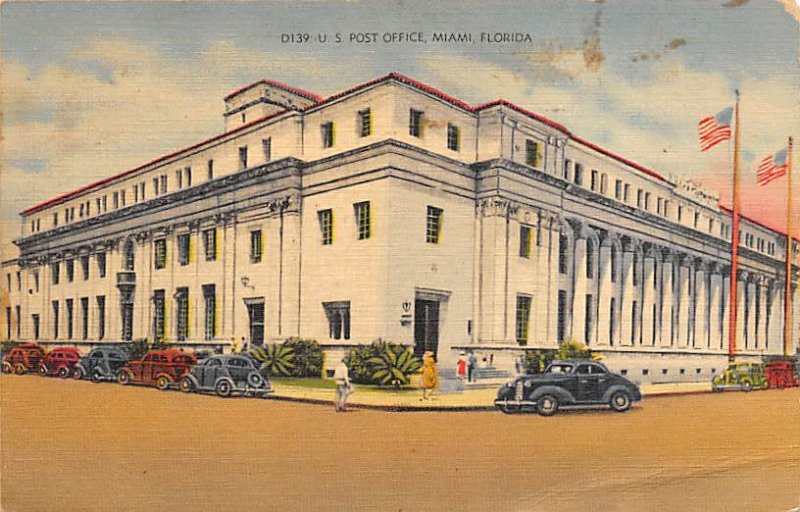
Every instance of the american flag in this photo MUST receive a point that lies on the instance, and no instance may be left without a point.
(773, 167)
(715, 129)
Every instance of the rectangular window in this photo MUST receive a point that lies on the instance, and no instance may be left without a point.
(563, 256)
(187, 176)
(101, 264)
(85, 267)
(533, 156)
(338, 314)
(184, 249)
(160, 253)
(101, 317)
(326, 225)
(647, 200)
(415, 123)
(594, 184)
(136, 193)
(266, 147)
(604, 183)
(55, 272)
(182, 313)
(523, 319)
(696, 219)
(210, 170)
(589, 317)
(36, 281)
(156, 190)
(19, 281)
(18, 311)
(525, 241)
(659, 205)
(210, 310)
(56, 319)
(363, 220)
(142, 195)
(365, 123)
(567, 169)
(122, 197)
(639, 198)
(453, 137)
(433, 230)
(84, 318)
(35, 320)
(55, 219)
(81, 210)
(243, 157)
(326, 131)
(70, 320)
(627, 193)
(210, 244)
(578, 178)
(115, 200)
(164, 183)
(158, 315)
(562, 316)
(680, 213)
(256, 246)
(179, 178)
(70, 270)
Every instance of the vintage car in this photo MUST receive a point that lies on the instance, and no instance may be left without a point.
(161, 368)
(60, 361)
(568, 382)
(101, 364)
(744, 376)
(225, 375)
(781, 374)
(23, 358)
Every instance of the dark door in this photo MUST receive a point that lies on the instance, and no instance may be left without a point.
(426, 326)
(127, 321)
(588, 384)
(256, 314)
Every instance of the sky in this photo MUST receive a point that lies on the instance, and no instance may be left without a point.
(91, 89)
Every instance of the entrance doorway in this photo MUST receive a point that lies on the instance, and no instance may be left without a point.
(426, 326)
(255, 313)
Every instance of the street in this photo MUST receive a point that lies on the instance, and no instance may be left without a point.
(75, 445)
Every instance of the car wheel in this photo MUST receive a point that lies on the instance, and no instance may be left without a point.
(547, 405)
(96, 377)
(186, 385)
(507, 408)
(620, 401)
(255, 380)
(123, 378)
(223, 388)
(20, 369)
(746, 385)
(63, 373)
(162, 383)
(7, 368)
(42, 371)
(77, 374)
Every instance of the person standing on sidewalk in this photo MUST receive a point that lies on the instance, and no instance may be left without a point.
(343, 388)
(461, 366)
(430, 377)
(472, 362)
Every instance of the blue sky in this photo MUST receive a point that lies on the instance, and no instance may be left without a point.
(91, 89)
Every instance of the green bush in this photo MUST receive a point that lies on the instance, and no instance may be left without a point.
(136, 349)
(383, 363)
(275, 359)
(308, 357)
(535, 361)
(575, 350)
(358, 363)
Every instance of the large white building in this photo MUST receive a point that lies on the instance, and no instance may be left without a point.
(394, 211)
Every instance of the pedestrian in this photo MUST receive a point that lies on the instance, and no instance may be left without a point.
(461, 366)
(430, 377)
(343, 387)
(472, 362)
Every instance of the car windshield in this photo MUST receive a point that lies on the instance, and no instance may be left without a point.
(560, 368)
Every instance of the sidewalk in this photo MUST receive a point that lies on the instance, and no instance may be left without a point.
(471, 399)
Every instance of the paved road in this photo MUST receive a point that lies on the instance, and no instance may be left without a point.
(82, 446)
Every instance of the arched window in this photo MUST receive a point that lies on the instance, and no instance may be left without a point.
(614, 263)
(589, 259)
(130, 254)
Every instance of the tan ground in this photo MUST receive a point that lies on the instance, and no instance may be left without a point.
(81, 446)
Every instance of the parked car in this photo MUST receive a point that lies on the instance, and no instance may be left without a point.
(568, 382)
(23, 358)
(781, 374)
(225, 375)
(101, 364)
(160, 368)
(60, 361)
(744, 376)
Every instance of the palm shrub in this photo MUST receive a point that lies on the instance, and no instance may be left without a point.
(393, 364)
(275, 359)
(308, 357)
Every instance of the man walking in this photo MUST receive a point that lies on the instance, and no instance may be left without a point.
(472, 362)
(343, 389)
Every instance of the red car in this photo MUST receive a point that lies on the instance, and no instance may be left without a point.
(23, 358)
(780, 374)
(60, 361)
(160, 368)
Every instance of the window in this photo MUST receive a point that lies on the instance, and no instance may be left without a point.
(56, 320)
(338, 314)
(453, 137)
(184, 249)
(567, 168)
(604, 183)
(696, 219)
(647, 200)
(523, 319)
(101, 264)
(19, 281)
(589, 259)
(525, 241)
(210, 244)
(84, 318)
(85, 267)
(156, 190)
(158, 315)
(533, 156)
(55, 219)
(256, 246)
(122, 197)
(210, 169)
(101, 317)
(563, 256)
(365, 123)
(179, 178)
(639, 198)
(363, 221)
(81, 210)
(70, 320)
(588, 327)
(618, 189)
(164, 183)
(433, 230)
(142, 195)
(266, 147)
(55, 271)
(562, 315)
(210, 309)
(115, 200)
(136, 193)
(415, 123)
(328, 136)
(182, 313)
(627, 193)
(680, 213)
(36, 280)
(243, 157)
(578, 178)
(160, 253)
(594, 184)
(659, 205)
(326, 225)
(187, 176)
(70, 270)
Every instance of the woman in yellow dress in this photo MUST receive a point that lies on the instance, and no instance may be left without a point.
(430, 377)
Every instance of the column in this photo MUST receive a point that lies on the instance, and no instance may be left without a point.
(714, 311)
(761, 334)
(626, 319)
(775, 330)
(604, 300)
(700, 336)
(724, 340)
(751, 314)
(579, 294)
(682, 325)
(740, 309)
(668, 303)
(648, 301)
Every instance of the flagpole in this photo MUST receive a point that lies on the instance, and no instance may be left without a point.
(787, 301)
(734, 240)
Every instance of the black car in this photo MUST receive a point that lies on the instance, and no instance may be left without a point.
(225, 375)
(101, 364)
(568, 382)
